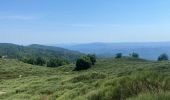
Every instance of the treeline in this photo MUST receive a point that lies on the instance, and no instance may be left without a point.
(133, 55)
(84, 62)
(52, 62)
(162, 57)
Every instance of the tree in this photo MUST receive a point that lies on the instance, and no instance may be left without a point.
(28, 60)
(92, 58)
(83, 63)
(163, 57)
(54, 62)
(118, 55)
(134, 55)
(40, 61)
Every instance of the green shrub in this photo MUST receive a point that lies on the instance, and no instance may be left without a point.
(83, 63)
(134, 55)
(34, 61)
(40, 61)
(163, 57)
(118, 55)
(92, 58)
(29, 60)
(54, 62)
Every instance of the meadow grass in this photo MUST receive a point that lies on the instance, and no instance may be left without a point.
(109, 79)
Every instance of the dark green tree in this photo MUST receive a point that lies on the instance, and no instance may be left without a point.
(134, 55)
(163, 57)
(40, 61)
(29, 60)
(83, 63)
(118, 55)
(92, 58)
(54, 62)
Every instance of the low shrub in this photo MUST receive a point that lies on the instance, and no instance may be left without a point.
(83, 63)
(134, 55)
(118, 55)
(92, 58)
(56, 62)
(163, 57)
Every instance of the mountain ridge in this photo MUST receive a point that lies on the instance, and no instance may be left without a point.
(18, 51)
(147, 50)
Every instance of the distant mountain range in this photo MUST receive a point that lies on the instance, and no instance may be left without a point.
(71, 52)
(148, 51)
(18, 52)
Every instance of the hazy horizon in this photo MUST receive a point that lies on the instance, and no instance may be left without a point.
(84, 21)
(84, 43)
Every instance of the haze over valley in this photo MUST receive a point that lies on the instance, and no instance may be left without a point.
(146, 50)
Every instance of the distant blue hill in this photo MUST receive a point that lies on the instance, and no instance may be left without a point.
(148, 51)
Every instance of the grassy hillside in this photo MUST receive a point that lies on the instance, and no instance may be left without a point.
(109, 79)
(19, 52)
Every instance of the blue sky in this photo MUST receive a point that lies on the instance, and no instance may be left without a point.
(84, 21)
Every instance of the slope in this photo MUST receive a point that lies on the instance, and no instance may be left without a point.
(19, 52)
(109, 79)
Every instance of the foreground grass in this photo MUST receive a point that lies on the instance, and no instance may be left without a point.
(109, 79)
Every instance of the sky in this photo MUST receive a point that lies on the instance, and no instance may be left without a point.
(84, 21)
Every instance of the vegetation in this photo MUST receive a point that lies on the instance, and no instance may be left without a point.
(56, 62)
(83, 63)
(108, 79)
(134, 55)
(31, 52)
(40, 61)
(29, 60)
(163, 57)
(52, 62)
(118, 55)
(92, 58)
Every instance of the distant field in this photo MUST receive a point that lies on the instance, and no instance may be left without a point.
(109, 79)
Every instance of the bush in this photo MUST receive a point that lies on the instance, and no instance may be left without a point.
(56, 62)
(40, 61)
(163, 57)
(118, 55)
(29, 60)
(34, 61)
(83, 63)
(92, 58)
(134, 55)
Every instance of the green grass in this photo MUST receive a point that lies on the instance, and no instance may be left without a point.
(109, 79)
